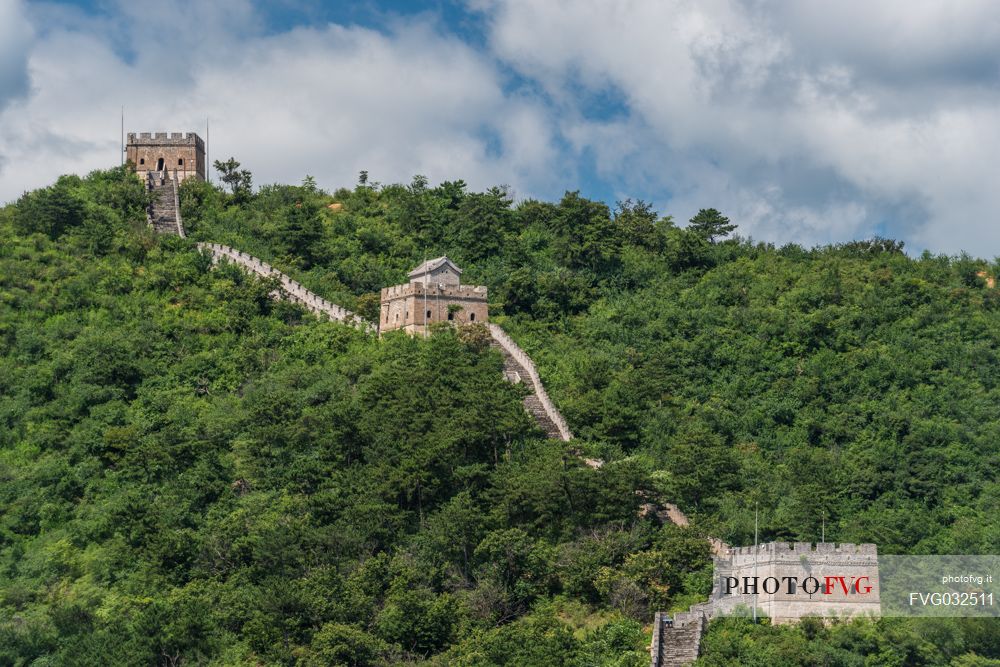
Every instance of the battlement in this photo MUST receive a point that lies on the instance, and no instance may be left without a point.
(165, 139)
(478, 292)
(807, 548)
(434, 294)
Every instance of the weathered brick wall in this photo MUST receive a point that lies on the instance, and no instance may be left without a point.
(290, 289)
(800, 560)
(405, 306)
(183, 154)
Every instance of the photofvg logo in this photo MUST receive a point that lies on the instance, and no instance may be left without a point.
(793, 585)
(787, 581)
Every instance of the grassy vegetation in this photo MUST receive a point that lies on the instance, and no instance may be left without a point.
(194, 473)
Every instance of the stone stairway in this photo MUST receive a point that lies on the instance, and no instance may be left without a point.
(290, 289)
(677, 640)
(518, 367)
(164, 216)
(164, 213)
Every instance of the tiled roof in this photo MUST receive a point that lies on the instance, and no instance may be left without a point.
(432, 265)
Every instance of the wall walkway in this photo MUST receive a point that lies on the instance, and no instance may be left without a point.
(293, 291)
(165, 218)
(518, 367)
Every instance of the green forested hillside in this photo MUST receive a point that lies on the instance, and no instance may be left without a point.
(193, 473)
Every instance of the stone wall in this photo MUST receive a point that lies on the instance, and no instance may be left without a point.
(183, 154)
(407, 306)
(778, 560)
(292, 290)
(524, 361)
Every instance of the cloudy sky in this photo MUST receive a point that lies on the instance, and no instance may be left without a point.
(803, 120)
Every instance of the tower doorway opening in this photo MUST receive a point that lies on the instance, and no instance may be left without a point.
(159, 165)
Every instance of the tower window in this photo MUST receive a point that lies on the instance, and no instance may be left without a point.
(180, 162)
(142, 160)
(451, 316)
(472, 317)
(428, 314)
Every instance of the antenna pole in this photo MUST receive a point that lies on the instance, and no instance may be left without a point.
(755, 547)
(208, 171)
(426, 323)
(122, 156)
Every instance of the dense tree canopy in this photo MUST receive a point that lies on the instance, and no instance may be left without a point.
(194, 473)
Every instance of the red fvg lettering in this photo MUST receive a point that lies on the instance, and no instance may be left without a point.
(853, 587)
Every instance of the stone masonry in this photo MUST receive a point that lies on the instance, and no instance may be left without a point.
(164, 214)
(776, 560)
(518, 367)
(290, 289)
(677, 640)
(176, 153)
(434, 294)
(800, 560)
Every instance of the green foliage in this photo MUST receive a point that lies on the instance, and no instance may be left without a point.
(196, 473)
(710, 224)
(240, 181)
(889, 641)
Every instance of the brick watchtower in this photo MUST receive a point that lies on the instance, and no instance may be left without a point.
(176, 155)
(434, 294)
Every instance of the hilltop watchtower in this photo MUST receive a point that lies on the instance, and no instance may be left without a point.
(434, 294)
(173, 155)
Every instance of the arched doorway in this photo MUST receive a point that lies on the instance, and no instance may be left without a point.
(159, 165)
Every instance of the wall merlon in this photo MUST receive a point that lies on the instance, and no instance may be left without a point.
(772, 550)
(290, 289)
(165, 139)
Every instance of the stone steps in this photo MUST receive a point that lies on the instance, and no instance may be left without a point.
(515, 372)
(289, 289)
(679, 640)
(163, 214)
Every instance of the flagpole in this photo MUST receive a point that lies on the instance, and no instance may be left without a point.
(122, 156)
(755, 547)
(426, 325)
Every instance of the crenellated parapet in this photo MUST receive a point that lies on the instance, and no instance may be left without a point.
(174, 155)
(166, 139)
(779, 550)
(291, 289)
(477, 292)
(518, 363)
(434, 295)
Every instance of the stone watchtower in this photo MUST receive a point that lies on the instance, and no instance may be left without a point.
(434, 294)
(176, 155)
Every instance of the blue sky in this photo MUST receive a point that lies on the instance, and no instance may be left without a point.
(804, 121)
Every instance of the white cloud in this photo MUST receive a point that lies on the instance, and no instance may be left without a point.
(326, 100)
(804, 121)
(807, 121)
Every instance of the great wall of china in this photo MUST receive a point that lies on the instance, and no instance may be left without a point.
(290, 289)
(676, 640)
(164, 216)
